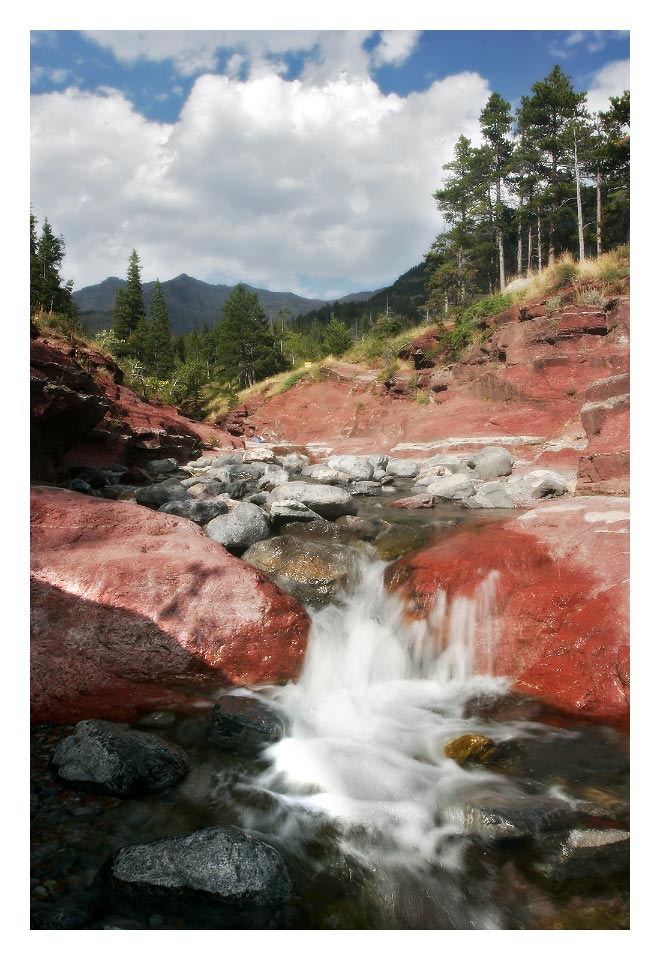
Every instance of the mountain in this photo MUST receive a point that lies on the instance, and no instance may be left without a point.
(190, 302)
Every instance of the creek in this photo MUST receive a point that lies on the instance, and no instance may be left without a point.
(379, 828)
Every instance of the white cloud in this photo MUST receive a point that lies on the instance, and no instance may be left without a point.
(267, 180)
(610, 81)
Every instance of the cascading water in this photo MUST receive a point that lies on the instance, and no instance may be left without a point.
(380, 696)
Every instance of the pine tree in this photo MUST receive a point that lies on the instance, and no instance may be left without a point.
(35, 274)
(337, 339)
(159, 354)
(496, 121)
(129, 302)
(246, 350)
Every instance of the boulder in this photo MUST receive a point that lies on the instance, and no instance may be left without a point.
(127, 603)
(471, 748)
(156, 494)
(112, 758)
(223, 876)
(162, 468)
(328, 501)
(310, 570)
(273, 477)
(356, 468)
(199, 511)
(525, 490)
(422, 501)
(586, 854)
(207, 489)
(322, 473)
(509, 816)
(365, 488)
(558, 622)
(244, 724)
(402, 469)
(244, 525)
(453, 487)
(259, 454)
(491, 462)
(490, 496)
(290, 511)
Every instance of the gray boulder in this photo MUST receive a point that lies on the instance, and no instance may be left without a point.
(259, 454)
(526, 490)
(206, 489)
(402, 469)
(328, 501)
(244, 525)
(356, 468)
(310, 570)
(378, 461)
(322, 473)
(224, 876)
(491, 462)
(453, 487)
(199, 511)
(365, 488)
(289, 511)
(274, 476)
(112, 758)
(492, 495)
(162, 468)
(586, 854)
(154, 495)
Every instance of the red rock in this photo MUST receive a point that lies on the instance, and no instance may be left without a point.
(128, 602)
(420, 501)
(560, 625)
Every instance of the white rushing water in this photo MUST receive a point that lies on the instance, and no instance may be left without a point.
(380, 696)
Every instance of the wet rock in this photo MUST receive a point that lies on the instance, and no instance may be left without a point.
(157, 720)
(491, 462)
(471, 748)
(114, 759)
(309, 570)
(586, 854)
(321, 531)
(356, 468)
(322, 473)
(362, 527)
(59, 917)
(273, 477)
(328, 501)
(225, 877)
(206, 489)
(244, 724)
(365, 488)
(199, 511)
(509, 817)
(244, 525)
(93, 476)
(422, 501)
(453, 487)
(399, 539)
(81, 486)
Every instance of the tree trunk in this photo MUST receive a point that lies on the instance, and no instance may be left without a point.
(519, 259)
(530, 249)
(599, 215)
(538, 233)
(500, 256)
(579, 198)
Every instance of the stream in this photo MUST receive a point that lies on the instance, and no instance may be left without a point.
(379, 828)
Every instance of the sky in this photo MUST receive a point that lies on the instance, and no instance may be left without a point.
(301, 160)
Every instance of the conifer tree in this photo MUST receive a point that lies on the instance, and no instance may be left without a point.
(159, 354)
(496, 121)
(246, 350)
(337, 339)
(129, 302)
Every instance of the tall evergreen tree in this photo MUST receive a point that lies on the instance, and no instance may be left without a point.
(159, 348)
(496, 121)
(246, 350)
(129, 302)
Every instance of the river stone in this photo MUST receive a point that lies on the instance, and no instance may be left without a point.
(95, 477)
(320, 531)
(403, 469)
(206, 489)
(322, 473)
(328, 501)
(259, 455)
(586, 854)
(273, 477)
(399, 539)
(356, 468)
(244, 525)
(78, 485)
(490, 496)
(509, 817)
(362, 527)
(491, 462)
(112, 758)
(453, 487)
(365, 488)
(245, 471)
(422, 501)
(199, 511)
(288, 511)
(156, 494)
(309, 570)
(162, 468)
(294, 463)
(378, 461)
(244, 724)
(526, 490)
(471, 748)
(198, 464)
(225, 877)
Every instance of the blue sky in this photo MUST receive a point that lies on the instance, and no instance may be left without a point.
(293, 160)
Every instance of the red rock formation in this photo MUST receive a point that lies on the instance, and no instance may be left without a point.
(81, 413)
(127, 602)
(560, 627)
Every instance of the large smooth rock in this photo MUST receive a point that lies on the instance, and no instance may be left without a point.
(402, 469)
(492, 462)
(527, 489)
(112, 758)
(557, 622)
(245, 525)
(156, 494)
(162, 468)
(223, 876)
(323, 473)
(453, 487)
(244, 724)
(329, 502)
(292, 511)
(491, 495)
(126, 602)
(587, 854)
(308, 569)
(356, 468)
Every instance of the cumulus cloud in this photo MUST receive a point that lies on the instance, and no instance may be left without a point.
(610, 81)
(266, 180)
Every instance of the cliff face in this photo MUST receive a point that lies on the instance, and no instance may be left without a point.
(551, 385)
(81, 413)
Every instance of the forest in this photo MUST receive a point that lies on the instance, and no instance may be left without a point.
(545, 181)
